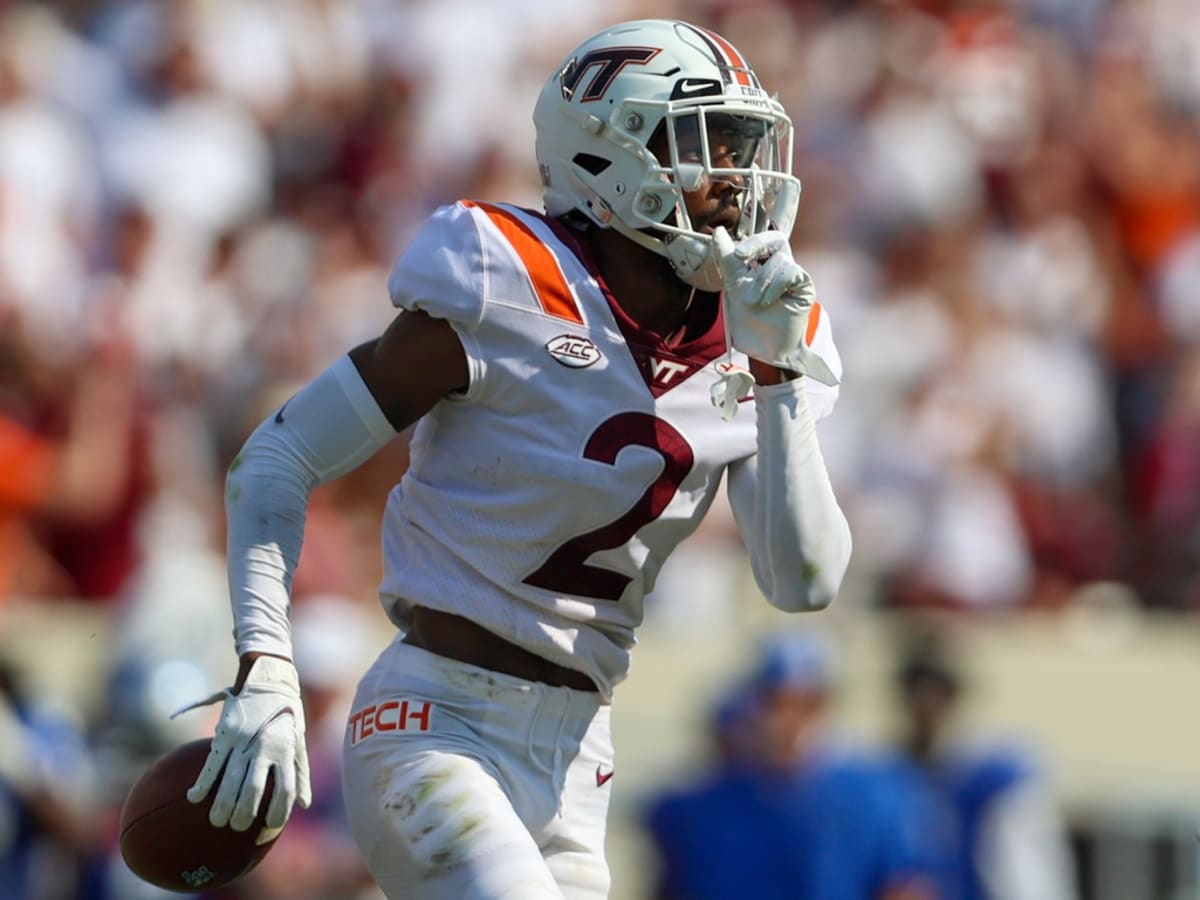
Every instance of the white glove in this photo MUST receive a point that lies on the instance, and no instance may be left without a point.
(768, 297)
(261, 728)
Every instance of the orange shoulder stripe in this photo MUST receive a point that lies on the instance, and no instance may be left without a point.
(546, 276)
(814, 319)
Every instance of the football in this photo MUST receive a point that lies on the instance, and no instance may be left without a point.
(169, 842)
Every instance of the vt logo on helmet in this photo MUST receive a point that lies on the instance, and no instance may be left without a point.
(642, 113)
(608, 62)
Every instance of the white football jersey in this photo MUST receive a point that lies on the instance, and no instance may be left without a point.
(542, 502)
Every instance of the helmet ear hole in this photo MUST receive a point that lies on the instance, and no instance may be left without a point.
(591, 163)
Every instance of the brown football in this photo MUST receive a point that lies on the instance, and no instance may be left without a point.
(169, 842)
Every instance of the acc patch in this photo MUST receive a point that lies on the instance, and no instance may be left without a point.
(573, 351)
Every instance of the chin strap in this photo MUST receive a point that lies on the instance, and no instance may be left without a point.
(690, 256)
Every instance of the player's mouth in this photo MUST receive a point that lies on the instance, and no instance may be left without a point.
(728, 215)
(727, 220)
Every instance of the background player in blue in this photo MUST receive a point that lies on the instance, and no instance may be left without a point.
(575, 378)
(999, 825)
(791, 810)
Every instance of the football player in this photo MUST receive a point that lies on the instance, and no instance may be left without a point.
(577, 379)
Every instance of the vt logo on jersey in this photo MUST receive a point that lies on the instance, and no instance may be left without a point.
(663, 371)
(666, 372)
(573, 351)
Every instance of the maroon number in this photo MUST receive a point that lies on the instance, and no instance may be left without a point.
(567, 570)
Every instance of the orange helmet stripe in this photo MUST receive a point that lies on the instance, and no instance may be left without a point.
(737, 63)
(545, 274)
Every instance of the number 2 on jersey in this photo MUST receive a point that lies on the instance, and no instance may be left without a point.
(567, 571)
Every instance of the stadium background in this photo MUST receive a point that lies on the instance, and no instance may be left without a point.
(199, 202)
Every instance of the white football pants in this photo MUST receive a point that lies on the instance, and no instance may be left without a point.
(465, 784)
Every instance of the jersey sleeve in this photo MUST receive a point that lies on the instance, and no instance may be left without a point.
(442, 270)
(443, 273)
(469, 261)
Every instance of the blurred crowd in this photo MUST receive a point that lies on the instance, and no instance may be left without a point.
(1003, 209)
(200, 201)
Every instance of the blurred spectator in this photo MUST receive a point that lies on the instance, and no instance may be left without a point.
(789, 810)
(50, 188)
(1166, 484)
(1000, 832)
(78, 479)
(47, 830)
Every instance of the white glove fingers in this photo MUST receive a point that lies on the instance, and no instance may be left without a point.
(737, 259)
(250, 797)
(783, 276)
(283, 795)
(303, 781)
(231, 786)
(800, 287)
(760, 246)
(208, 774)
(775, 289)
(725, 252)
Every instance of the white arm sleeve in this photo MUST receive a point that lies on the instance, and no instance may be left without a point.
(330, 427)
(784, 505)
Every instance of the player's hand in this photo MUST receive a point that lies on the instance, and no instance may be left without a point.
(768, 297)
(261, 729)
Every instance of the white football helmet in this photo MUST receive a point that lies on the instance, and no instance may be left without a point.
(676, 84)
